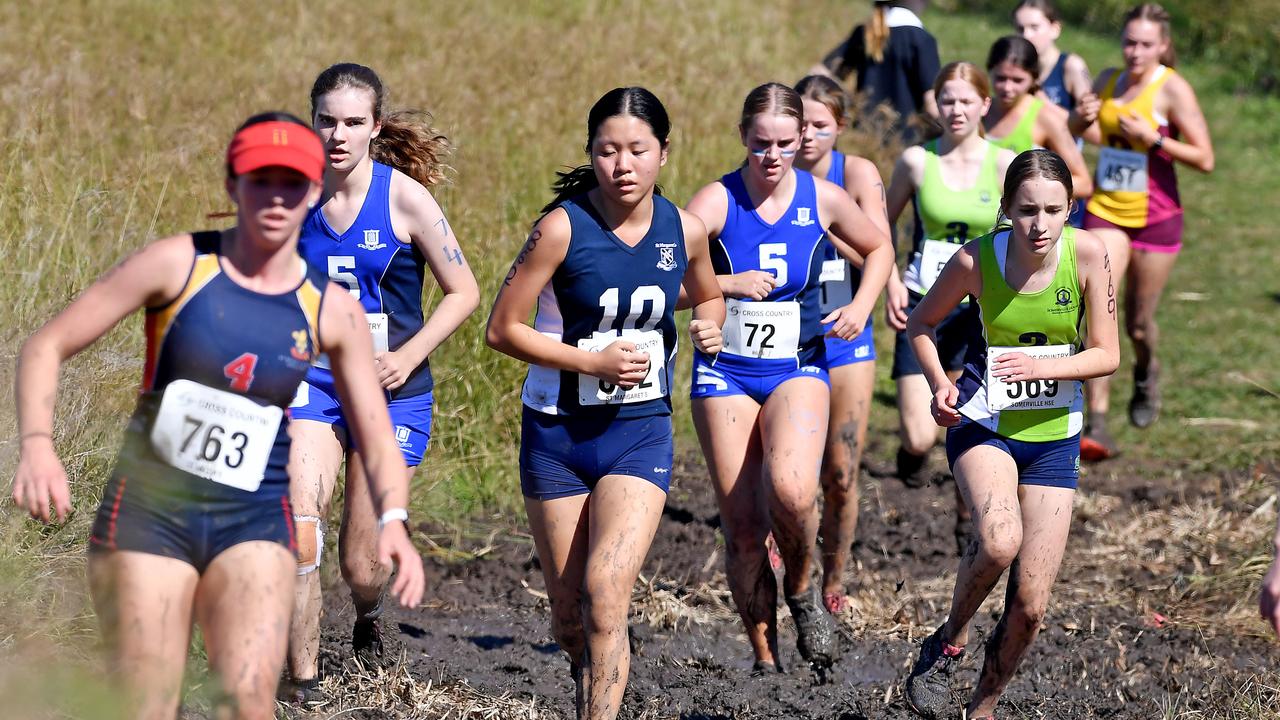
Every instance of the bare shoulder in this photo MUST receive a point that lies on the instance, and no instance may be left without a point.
(711, 195)
(913, 157)
(1090, 250)
(409, 195)
(551, 234)
(1076, 64)
(861, 171)
(1004, 158)
(1054, 113)
(1177, 88)
(694, 229)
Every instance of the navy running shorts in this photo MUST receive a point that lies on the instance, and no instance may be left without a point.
(410, 416)
(959, 328)
(1055, 463)
(562, 456)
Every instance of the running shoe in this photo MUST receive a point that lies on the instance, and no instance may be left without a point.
(815, 630)
(1144, 407)
(301, 692)
(913, 470)
(929, 684)
(762, 668)
(835, 602)
(1096, 444)
(366, 643)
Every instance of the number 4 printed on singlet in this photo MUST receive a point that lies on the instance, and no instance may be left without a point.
(240, 371)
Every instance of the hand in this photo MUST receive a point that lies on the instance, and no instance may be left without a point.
(848, 322)
(1015, 367)
(1136, 130)
(396, 550)
(41, 480)
(1088, 107)
(753, 284)
(393, 368)
(706, 336)
(944, 405)
(621, 364)
(895, 306)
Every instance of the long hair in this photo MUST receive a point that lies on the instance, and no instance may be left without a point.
(407, 142)
(635, 102)
(876, 32)
(1153, 12)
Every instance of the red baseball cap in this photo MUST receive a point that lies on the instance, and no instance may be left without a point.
(279, 144)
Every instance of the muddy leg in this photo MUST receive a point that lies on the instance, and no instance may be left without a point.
(1046, 520)
(851, 387)
(624, 517)
(727, 431)
(988, 480)
(560, 535)
(144, 606)
(358, 540)
(243, 604)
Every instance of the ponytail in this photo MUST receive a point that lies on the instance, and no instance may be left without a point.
(877, 32)
(571, 183)
(409, 143)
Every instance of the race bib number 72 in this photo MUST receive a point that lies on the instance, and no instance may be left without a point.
(214, 434)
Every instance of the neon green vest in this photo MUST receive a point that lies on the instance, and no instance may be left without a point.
(1021, 139)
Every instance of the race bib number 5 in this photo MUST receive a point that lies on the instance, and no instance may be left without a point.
(766, 330)
(1029, 394)
(594, 391)
(214, 434)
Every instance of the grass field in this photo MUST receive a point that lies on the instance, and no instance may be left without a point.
(116, 114)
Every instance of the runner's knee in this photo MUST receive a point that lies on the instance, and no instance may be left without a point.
(1001, 543)
(310, 538)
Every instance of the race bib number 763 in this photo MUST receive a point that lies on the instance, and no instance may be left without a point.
(214, 434)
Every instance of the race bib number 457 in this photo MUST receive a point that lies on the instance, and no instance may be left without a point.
(1029, 394)
(214, 434)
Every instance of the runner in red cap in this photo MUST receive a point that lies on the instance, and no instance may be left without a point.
(195, 522)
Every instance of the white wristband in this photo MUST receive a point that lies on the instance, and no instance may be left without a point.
(392, 515)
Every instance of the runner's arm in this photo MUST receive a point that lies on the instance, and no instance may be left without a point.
(853, 233)
(711, 206)
(1195, 148)
(700, 287)
(150, 277)
(961, 276)
(1058, 138)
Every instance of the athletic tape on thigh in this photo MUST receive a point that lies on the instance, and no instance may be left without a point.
(310, 532)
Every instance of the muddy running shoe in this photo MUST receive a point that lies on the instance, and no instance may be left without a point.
(366, 643)
(762, 668)
(1144, 407)
(913, 470)
(301, 692)
(929, 684)
(815, 630)
(1096, 444)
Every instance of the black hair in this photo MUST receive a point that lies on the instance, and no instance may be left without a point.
(636, 102)
(1019, 51)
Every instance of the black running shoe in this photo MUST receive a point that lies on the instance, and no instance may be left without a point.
(1144, 407)
(301, 692)
(913, 470)
(762, 668)
(815, 630)
(929, 684)
(366, 643)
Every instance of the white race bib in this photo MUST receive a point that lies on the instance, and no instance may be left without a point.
(1029, 394)
(1122, 170)
(594, 391)
(837, 285)
(766, 330)
(377, 328)
(933, 257)
(217, 435)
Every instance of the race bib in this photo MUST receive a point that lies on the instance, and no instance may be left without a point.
(377, 328)
(1029, 394)
(217, 435)
(766, 330)
(594, 391)
(933, 257)
(1122, 170)
(837, 285)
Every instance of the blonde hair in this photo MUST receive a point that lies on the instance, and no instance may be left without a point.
(876, 33)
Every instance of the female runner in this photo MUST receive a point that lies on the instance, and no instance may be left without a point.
(375, 231)
(604, 267)
(195, 522)
(955, 183)
(851, 364)
(761, 408)
(1018, 120)
(1149, 119)
(1063, 76)
(1014, 419)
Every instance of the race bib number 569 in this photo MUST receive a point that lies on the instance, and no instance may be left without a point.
(214, 434)
(1029, 394)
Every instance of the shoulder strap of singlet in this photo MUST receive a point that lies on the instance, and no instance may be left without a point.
(1028, 119)
(1060, 67)
(1109, 91)
(207, 241)
(990, 167)
(835, 173)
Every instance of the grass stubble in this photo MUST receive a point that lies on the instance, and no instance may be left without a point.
(116, 117)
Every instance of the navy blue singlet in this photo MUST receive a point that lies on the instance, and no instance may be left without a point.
(1055, 86)
(605, 290)
(384, 274)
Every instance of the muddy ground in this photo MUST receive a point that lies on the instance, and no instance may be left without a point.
(1113, 645)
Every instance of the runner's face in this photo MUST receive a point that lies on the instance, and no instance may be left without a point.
(1038, 212)
(771, 141)
(344, 122)
(1036, 28)
(820, 132)
(961, 108)
(626, 156)
(272, 203)
(1010, 83)
(1142, 45)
